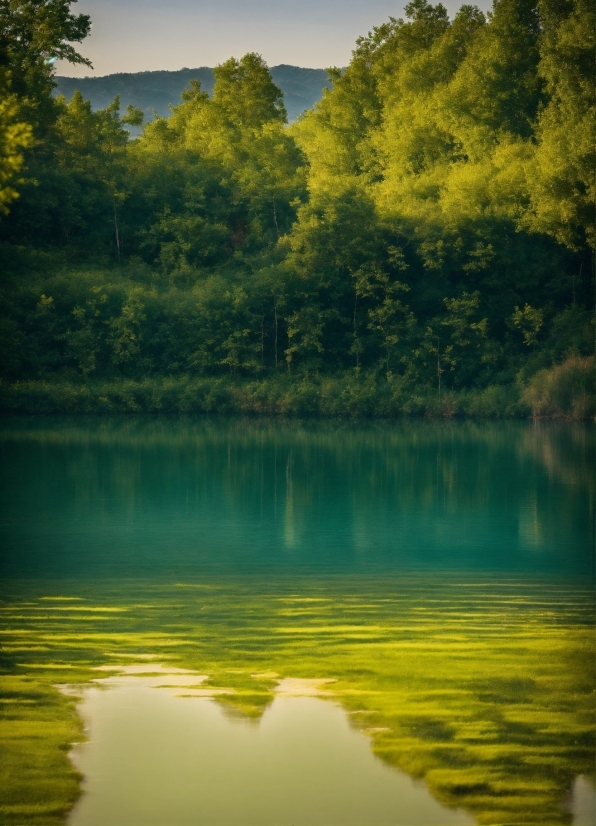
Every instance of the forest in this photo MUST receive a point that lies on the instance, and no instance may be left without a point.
(420, 242)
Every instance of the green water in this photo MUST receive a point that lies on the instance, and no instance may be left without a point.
(179, 498)
(439, 575)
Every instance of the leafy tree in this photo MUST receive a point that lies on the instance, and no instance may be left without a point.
(245, 92)
(33, 35)
(14, 137)
(562, 173)
(529, 320)
(426, 227)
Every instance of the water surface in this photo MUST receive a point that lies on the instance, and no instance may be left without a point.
(441, 575)
(177, 497)
(154, 757)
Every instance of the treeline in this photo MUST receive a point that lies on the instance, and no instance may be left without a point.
(157, 90)
(424, 235)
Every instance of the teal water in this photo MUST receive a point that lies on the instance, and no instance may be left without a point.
(177, 497)
(438, 577)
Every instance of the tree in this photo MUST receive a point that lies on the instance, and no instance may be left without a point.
(14, 137)
(33, 35)
(427, 221)
(562, 173)
(388, 318)
(245, 92)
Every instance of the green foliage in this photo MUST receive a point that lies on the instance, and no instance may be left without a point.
(426, 223)
(157, 91)
(529, 321)
(563, 171)
(33, 34)
(15, 135)
(245, 92)
(567, 390)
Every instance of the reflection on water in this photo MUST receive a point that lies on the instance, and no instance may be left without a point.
(484, 690)
(441, 574)
(179, 497)
(583, 802)
(155, 758)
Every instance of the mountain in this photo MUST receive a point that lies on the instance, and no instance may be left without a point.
(301, 88)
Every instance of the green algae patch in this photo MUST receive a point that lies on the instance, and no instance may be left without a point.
(485, 691)
(38, 725)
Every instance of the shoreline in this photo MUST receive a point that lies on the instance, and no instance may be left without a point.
(342, 397)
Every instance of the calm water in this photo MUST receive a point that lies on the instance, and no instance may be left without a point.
(136, 498)
(440, 576)
(302, 763)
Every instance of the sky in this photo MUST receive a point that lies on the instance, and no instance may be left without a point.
(143, 35)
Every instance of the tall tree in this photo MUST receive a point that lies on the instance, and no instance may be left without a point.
(14, 137)
(246, 93)
(33, 35)
(562, 175)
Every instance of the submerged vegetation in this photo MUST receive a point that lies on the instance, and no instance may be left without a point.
(419, 242)
(483, 690)
(439, 572)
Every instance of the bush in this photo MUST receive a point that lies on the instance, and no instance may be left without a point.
(567, 390)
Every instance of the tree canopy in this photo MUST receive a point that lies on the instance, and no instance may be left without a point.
(429, 223)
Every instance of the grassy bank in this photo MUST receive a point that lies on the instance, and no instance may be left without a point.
(565, 391)
(309, 396)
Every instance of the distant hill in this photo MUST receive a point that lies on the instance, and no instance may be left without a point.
(301, 88)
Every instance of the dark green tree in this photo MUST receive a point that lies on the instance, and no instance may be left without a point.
(33, 35)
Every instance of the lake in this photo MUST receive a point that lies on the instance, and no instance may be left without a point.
(260, 622)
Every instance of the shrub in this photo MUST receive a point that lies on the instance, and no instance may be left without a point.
(567, 390)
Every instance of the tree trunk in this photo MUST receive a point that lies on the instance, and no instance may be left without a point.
(275, 315)
(275, 218)
(116, 228)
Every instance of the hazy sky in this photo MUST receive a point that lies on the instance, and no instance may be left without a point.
(138, 35)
